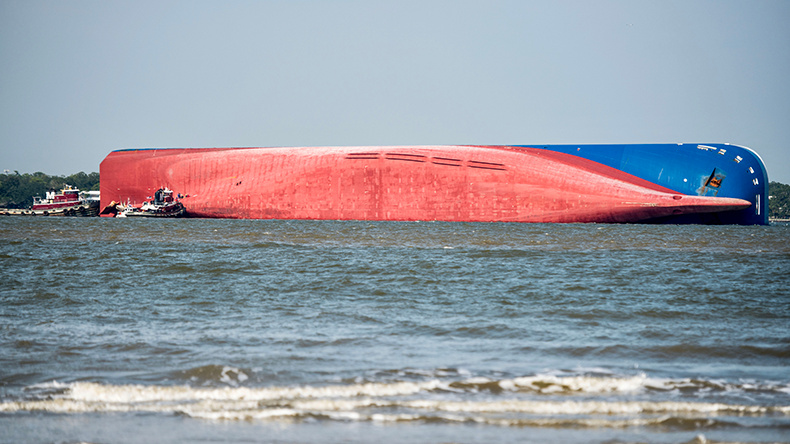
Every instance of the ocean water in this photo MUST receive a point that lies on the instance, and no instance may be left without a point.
(139, 331)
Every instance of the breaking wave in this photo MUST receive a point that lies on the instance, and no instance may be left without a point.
(520, 402)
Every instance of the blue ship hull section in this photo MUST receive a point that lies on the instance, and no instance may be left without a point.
(708, 169)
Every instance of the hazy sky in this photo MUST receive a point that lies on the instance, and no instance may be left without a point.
(79, 79)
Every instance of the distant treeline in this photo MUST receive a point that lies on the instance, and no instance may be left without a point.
(778, 200)
(17, 190)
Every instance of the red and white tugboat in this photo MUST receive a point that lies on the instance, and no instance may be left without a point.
(164, 204)
(68, 202)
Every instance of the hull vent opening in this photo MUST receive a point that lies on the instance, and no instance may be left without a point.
(354, 156)
(446, 161)
(406, 157)
(486, 165)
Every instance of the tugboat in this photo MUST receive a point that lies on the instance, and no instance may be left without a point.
(68, 202)
(164, 204)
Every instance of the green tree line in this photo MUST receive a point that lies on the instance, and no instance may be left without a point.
(17, 190)
(778, 200)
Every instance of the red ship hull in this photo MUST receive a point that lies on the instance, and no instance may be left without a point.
(416, 183)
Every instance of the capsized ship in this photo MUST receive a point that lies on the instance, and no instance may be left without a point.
(650, 183)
